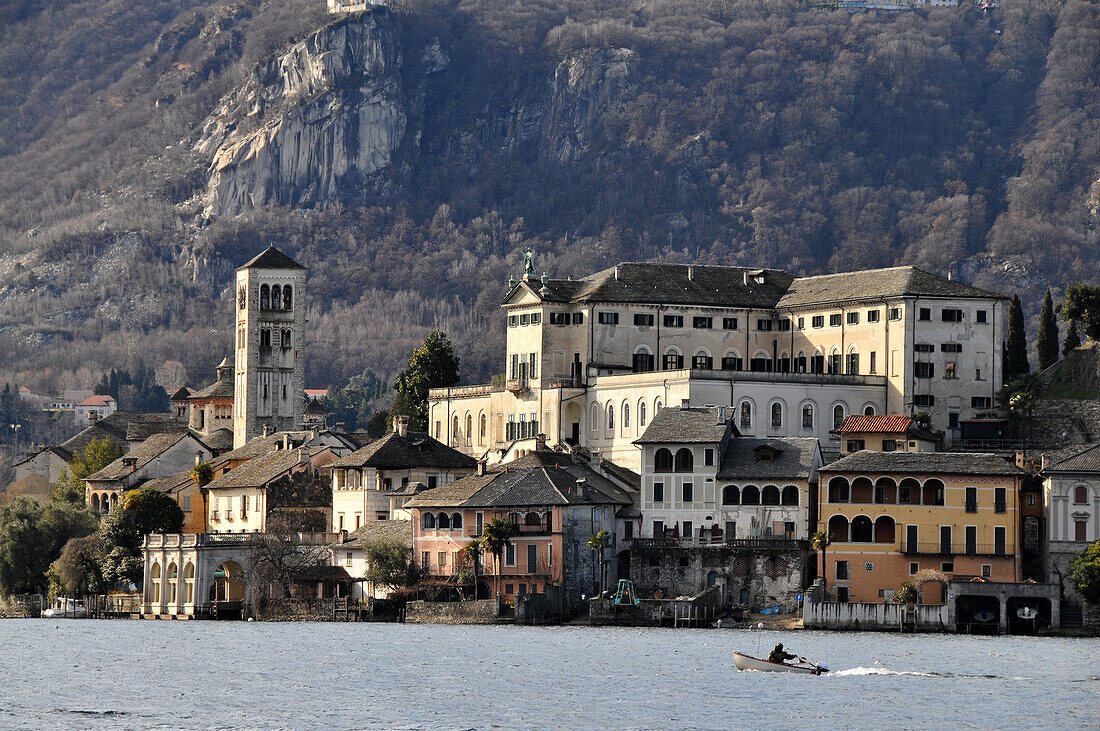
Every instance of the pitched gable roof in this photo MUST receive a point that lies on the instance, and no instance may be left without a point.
(946, 463)
(271, 258)
(876, 283)
(793, 458)
(142, 454)
(416, 449)
(886, 424)
(1075, 459)
(260, 471)
(377, 530)
(694, 425)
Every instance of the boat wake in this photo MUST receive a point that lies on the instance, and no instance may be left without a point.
(885, 671)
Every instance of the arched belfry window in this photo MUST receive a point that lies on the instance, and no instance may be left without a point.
(276, 296)
(288, 297)
(265, 297)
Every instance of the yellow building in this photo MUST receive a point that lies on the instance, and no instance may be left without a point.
(887, 433)
(891, 515)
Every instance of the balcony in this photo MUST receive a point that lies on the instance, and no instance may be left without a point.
(516, 385)
(520, 530)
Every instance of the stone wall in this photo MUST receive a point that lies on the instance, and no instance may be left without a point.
(756, 577)
(1090, 620)
(482, 611)
(865, 616)
(701, 610)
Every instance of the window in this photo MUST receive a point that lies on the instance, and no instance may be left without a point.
(925, 313)
(265, 338)
(595, 419)
(609, 318)
(441, 559)
(729, 323)
(834, 320)
(658, 492)
(950, 371)
(842, 572)
(746, 415)
(708, 457)
(818, 321)
(951, 347)
(999, 502)
(186, 506)
(853, 318)
(999, 536)
(641, 413)
(914, 567)
(702, 362)
(980, 315)
(873, 315)
(842, 594)
(971, 499)
(925, 370)
(894, 313)
(658, 529)
(784, 325)
(643, 320)
(874, 366)
(763, 324)
(952, 315)
(834, 363)
(777, 415)
(868, 566)
(802, 323)
(626, 415)
(513, 320)
(945, 539)
(838, 415)
(702, 323)
(924, 348)
(610, 417)
(947, 567)
(853, 363)
(807, 416)
(578, 318)
(662, 460)
(673, 321)
(536, 318)
(1080, 495)
(559, 318)
(857, 445)
(643, 362)
(687, 490)
(689, 530)
(924, 400)
(673, 362)
(685, 460)
(1080, 530)
(1031, 499)
(426, 560)
(510, 554)
(524, 320)
(732, 363)
(981, 402)
(952, 420)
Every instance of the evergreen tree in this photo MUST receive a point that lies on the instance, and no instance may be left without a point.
(1048, 334)
(1073, 340)
(1082, 303)
(434, 365)
(1015, 354)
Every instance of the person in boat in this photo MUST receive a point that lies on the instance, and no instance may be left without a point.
(780, 655)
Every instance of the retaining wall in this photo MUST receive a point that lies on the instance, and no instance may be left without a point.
(482, 611)
(866, 616)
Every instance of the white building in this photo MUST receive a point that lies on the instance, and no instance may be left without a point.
(1071, 496)
(589, 361)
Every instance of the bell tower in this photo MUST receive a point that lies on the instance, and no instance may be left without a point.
(269, 377)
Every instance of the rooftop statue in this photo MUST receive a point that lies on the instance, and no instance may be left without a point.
(528, 263)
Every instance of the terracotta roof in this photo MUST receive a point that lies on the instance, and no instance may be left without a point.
(876, 283)
(1075, 459)
(695, 425)
(416, 449)
(271, 258)
(946, 463)
(143, 454)
(887, 423)
(98, 400)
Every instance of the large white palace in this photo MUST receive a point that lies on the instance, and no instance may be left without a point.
(589, 361)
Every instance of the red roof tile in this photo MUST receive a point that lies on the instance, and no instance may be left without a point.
(888, 424)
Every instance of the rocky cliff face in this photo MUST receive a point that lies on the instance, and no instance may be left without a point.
(332, 118)
(325, 117)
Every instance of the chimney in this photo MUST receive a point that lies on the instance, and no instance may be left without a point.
(130, 462)
(198, 458)
(582, 488)
(950, 275)
(721, 414)
(691, 273)
(267, 430)
(93, 416)
(303, 455)
(1046, 460)
(341, 426)
(286, 440)
(685, 404)
(314, 432)
(745, 277)
(540, 442)
(401, 425)
(616, 272)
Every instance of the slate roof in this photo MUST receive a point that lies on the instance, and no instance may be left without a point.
(271, 258)
(874, 283)
(219, 389)
(452, 494)
(1075, 459)
(377, 530)
(395, 452)
(794, 459)
(947, 463)
(139, 431)
(219, 440)
(172, 484)
(144, 453)
(314, 407)
(694, 425)
(259, 471)
(182, 394)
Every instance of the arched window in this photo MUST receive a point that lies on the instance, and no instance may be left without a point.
(276, 296)
(909, 492)
(685, 460)
(800, 362)
(456, 521)
(427, 521)
(702, 361)
(886, 492)
(189, 583)
(444, 521)
(807, 416)
(288, 297)
(95, 502)
(595, 417)
(657, 406)
(173, 576)
(482, 428)
(932, 493)
(750, 495)
(790, 495)
(838, 490)
(852, 366)
(884, 529)
(746, 415)
(626, 416)
(770, 496)
(838, 415)
(454, 429)
(154, 595)
(1080, 495)
(265, 297)
(869, 410)
(610, 417)
(513, 518)
(731, 495)
(674, 360)
(862, 529)
(643, 360)
(469, 427)
(641, 414)
(777, 415)
(838, 529)
(532, 519)
(662, 460)
(862, 490)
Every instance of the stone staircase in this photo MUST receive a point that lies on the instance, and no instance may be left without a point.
(1072, 618)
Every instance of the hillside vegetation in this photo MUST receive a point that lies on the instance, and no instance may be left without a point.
(760, 132)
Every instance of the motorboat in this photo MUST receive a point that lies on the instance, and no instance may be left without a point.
(66, 608)
(747, 662)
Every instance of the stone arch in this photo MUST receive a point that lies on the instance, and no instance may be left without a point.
(744, 414)
(662, 460)
(276, 297)
(869, 409)
(228, 582)
(469, 428)
(456, 521)
(790, 495)
(427, 521)
(171, 578)
(455, 433)
(838, 529)
(863, 490)
(776, 410)
(265, 297)
(750, 495)
(443, 521)
(532, 519)
(731, 360)
(884, 529)
(863, 530)
(189, 583)
(731, 495)
(95, 502)
(288, 297)
(769, 495)
(909, 491)
(839, 411)
(154, 584)
(932, 492)
(807, 414)
(482, 428)
(685, 460)
(886, 491)
(839, 490)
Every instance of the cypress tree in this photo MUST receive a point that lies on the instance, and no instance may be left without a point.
(1048, 334)
(1015, 354)
(1073, 340)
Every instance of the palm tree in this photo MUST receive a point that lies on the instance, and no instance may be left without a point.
(598, 543)
(496, 537)
(202, 473)
(471, 552)
(820, 542)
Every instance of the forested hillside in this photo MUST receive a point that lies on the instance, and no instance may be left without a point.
(761, 132)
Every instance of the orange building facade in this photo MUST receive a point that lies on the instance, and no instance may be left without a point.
(893, 515)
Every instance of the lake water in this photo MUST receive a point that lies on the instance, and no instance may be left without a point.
(80, 674)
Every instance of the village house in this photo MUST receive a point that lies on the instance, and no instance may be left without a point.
(211, 409)
(350, 552)
(374, 481)
(1071, 497)
(191, 499)
(891, 515)
(95, 407)
(590, 361)
(553, 505)
(161, 455)
(886, 433)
